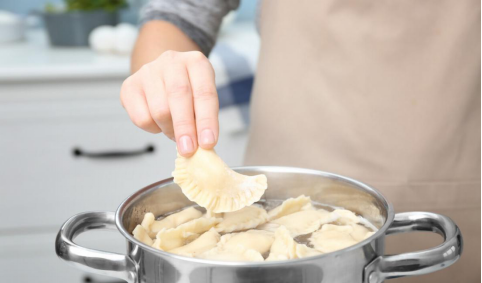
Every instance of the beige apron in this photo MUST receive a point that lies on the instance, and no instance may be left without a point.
(386, 92)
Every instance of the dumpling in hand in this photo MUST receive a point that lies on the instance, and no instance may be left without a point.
(284, 247)
(289, 206)
(246, 218)
(204, 243)
(257, 240)
(205, 179)
(172, 221)
(304, 222)
(235, 253)
(141, 234)
(168, 239)
(333, 237)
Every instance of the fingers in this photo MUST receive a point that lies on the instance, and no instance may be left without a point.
(157, 99)
(179, 96)
(134, 101)
(206, 104)
(175, 94)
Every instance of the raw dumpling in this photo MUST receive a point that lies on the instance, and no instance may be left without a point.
(235, 253)
(284, 247)
(205, 179)
(333, 237)
(289, 206)
(345, 217)
(257, 240)
(168, 239)
(268, 226)
(304, 222)
(172, 221)
(146, 223)
(246, 218)
(213, 214)
(141, 234)
(360, 232)
(205, 242)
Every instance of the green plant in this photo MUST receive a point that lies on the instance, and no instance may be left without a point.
(89, 5)
(50, 8)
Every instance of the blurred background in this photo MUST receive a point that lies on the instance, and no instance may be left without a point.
(67, 145)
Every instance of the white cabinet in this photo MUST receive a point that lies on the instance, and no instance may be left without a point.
(30, 257)
(43, 182)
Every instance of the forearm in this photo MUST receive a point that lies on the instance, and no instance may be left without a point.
(155, 37)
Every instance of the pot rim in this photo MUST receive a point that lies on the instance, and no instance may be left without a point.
(278, 169)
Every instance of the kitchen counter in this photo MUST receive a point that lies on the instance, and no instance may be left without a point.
(35, 60)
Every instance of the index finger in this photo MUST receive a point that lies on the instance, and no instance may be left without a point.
(178, 90)
(206, 103)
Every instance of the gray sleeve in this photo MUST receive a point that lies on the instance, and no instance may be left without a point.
(198, 19)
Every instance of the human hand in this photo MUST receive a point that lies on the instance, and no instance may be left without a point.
(176, 95)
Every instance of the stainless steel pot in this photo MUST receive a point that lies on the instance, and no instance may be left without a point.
(363, 262)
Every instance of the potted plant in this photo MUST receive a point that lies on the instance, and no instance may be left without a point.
(71, 25)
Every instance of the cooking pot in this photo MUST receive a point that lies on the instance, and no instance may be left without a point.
(363, 262)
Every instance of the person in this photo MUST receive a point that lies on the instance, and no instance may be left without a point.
(386, 92)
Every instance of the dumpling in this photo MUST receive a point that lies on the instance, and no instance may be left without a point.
(213, 214)
(360, 232)
(284, 247)
(268, 226)
(304, 222)
(345, 217)
(204, 243)
(289, 206)
(333, 237)
(172, 221)
(141, 234)
(246, 218)
(257, 240)
(235, 253)
(205, 179)
(168, 239)
(146, 223)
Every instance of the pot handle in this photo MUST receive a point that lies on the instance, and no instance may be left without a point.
(421, 262)
(90, 260)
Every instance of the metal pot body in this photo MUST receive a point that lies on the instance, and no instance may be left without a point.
(333, 268)
(363, 262)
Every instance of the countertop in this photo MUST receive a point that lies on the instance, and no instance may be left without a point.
(35, 60)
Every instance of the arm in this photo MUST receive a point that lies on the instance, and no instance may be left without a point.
(155, 37)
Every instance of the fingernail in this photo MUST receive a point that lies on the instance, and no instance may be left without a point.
(185, 145)
(207, 137)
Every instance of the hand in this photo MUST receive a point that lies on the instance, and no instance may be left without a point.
(176, 95)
